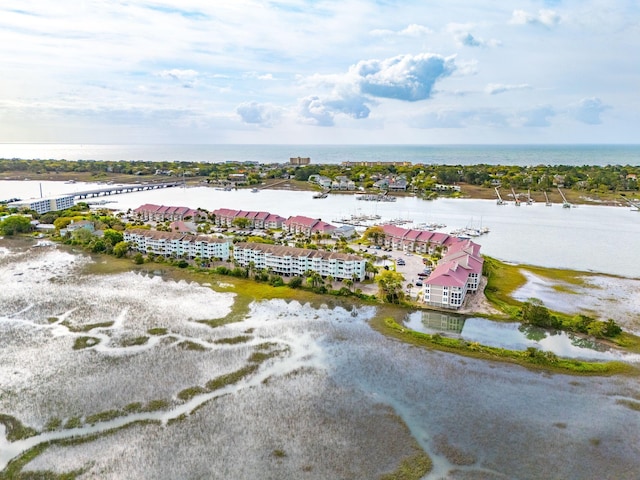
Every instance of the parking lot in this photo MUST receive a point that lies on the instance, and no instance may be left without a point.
(408, 264)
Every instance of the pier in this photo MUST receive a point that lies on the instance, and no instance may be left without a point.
(546, 199)
(634, 205)
(116, 189)
(499, 201)
(565, 204)
(515, 197)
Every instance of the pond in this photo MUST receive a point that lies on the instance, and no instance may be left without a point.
(514, 336)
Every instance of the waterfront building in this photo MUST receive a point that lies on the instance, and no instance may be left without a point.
(307, 226)
(160, 213)
(224, 217)
(290, 261)
(418, 241)
(176, 244)
(457, 274)
(45, 204)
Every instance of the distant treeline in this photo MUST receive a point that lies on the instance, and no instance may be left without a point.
(593, 178)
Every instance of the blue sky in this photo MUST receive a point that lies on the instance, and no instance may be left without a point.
(320, 71)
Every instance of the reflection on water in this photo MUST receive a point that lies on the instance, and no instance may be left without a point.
(434, 322)
(512, 336)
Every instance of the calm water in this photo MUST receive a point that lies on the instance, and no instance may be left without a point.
(430, 154)
(513, 336)
(589, 238)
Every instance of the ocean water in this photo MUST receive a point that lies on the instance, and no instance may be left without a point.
(335, 154)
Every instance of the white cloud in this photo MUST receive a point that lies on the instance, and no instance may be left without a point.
(413, 30)
(186, 77)
(464, 38)
(405, 77)
(313, 111)
(265, 115)
(588, 110)
(497, 88)
(548, 18)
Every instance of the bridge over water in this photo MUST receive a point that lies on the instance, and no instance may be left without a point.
(116, 189)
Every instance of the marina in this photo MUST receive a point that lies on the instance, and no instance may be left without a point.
(378, 197)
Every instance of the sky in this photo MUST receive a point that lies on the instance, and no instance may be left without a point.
(320, 71)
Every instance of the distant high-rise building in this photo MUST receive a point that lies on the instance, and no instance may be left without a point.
(299, 161)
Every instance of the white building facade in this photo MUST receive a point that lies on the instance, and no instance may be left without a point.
(176, 244)
(289, 261)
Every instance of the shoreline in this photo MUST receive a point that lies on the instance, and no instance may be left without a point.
(467, 191)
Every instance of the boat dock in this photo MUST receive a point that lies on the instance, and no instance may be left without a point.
(373, 197)
(565, 204)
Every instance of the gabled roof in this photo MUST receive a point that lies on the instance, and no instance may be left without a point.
(448, 274)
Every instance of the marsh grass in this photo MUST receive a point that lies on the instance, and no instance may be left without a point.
(629, 404)
(104, 416)
(15, 429)
(189, 393)
(560, 288)
(231, 378)
(85, 328)
(85, 342)
(53, 424)
(234, 340)
(157, 331)
(134, 341)
(193, 346)
(155, 405)
(73, 422)
(411, 468)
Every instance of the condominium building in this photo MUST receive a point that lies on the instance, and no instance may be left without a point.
(224, 217)
(307, 226)
(418, 241)
(44, 205)
(176, 244)
(457, 274)
(160, 213)
(289, 261)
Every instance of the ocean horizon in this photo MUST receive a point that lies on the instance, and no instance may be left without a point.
(519, 155)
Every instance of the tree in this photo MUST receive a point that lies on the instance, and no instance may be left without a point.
(535, 313)
(371, 269)
(374, 234)
(120, 249)
(112, 236)
(138, 259)
(241, 222)
(390, 284)
(15, 224)
(62, 222)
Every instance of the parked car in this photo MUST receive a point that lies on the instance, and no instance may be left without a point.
(419, 283)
